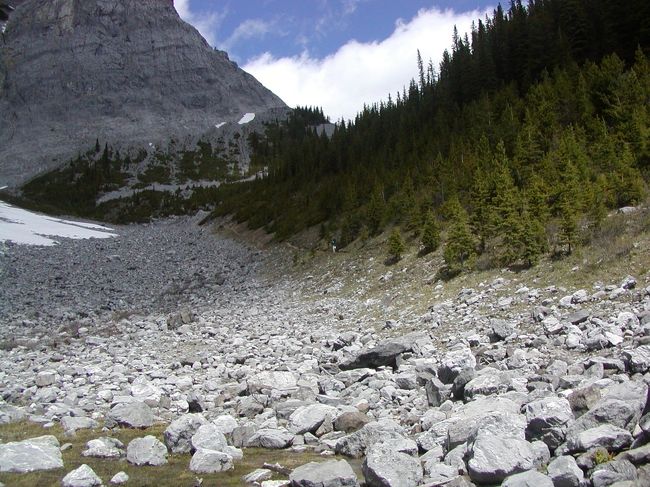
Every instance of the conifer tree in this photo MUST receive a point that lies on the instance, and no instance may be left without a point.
(396, 246)
(568, 226)
(460, 250)
(376, 211)
(430, 234)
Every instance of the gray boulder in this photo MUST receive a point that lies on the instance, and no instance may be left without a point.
(104, 448)
(608, 473)
(83, 476)
(11, 414)
(210, 461)
(350, 421)
(637, 360)
(327, 474)
(146, 451)
(638, 456)
(606, 436)
(493, 459)
(532, 478)
(71, 424)
(178, 434)
(120, 478)
(273, 439)
(258, 476)
(548, 419)
(356, 444)
(385, 467)
(307, 419)
(31, 455)
(130, 415)
(454, 362)
(266, 381)
(565, 472)
(208, 437)
(384, 353)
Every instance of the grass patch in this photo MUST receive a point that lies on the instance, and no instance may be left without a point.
(175, 473)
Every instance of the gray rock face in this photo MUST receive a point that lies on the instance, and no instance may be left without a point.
(146, 451)
(122, 71)
(83, 476)
(385, 467)
(548, 419)
(40, 453)
(131, 415)
(326, 474)
(179, 433)
(209, 437)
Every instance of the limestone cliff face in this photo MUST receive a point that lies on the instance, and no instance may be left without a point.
(128, 72)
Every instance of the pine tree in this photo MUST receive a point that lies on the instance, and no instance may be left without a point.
(376, 211)
(430, 234)
(532, 238)
(568, 226)
(460, 251)
(396, 246)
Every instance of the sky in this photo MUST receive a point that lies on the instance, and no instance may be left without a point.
(335, 54)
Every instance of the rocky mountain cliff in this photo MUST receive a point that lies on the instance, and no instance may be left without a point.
(126, 72)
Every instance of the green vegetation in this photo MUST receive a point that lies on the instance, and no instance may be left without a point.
(533, 128)
(176, 472)
(396, 245)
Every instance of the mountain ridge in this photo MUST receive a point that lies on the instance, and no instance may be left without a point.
(125, 72)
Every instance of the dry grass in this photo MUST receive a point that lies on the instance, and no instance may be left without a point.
(175, 473)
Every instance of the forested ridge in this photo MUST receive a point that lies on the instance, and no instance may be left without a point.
(534, 125)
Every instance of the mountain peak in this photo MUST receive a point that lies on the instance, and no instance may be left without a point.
(127, 72)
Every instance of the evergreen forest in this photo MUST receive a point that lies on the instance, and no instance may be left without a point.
(535, 125)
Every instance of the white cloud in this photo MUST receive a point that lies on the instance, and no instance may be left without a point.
(248, 29)
(361, 73)
(206, 23)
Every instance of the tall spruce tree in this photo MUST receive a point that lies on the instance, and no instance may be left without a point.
(430, 239)
(460, 248)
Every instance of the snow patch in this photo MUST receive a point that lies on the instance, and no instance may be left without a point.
(219, 125)
(27, 228)
(249, 117)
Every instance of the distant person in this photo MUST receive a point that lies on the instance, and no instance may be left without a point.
(334, 245)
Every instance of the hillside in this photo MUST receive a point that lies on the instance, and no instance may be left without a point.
(130, 74)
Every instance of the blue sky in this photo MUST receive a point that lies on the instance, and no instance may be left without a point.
(338, 54)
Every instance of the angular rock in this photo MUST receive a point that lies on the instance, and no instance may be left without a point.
(327, 474)
(179, 433)
(437, 392)
(130, 415)
(273, 439)
(104, 448)
(269, 380)
(71, 424)
(454, 362)
(548, 419)
(11, 414)
(637, 360)
(608, 473)
(83, 476)
(210, 461)
(120, 478)
(350, 421)
(146, 451)
(208, 437)
(532, 478)
(385, 467)
(606, 436)
(565, 472)
(257, 476)
(384, 353)
(356, 444)
(307, 419)
(638, 456)
(31, 455)
(492, 459)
